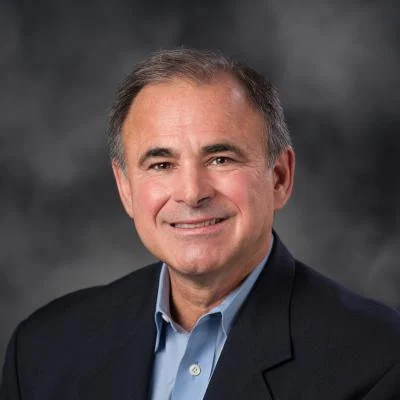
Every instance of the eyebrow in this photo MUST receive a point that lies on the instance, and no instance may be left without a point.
(156, 152)
(165, 152)
(221, 148)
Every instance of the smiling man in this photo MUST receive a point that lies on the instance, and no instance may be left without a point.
(202, 160)
(197, 184)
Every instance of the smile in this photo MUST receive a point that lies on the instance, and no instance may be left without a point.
(194, 225)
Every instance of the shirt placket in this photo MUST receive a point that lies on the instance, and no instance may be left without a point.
(196, 366)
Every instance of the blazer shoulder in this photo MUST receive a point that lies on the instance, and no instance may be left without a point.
(94, 303)
(68, 337)
(334, 297)
(349, 316)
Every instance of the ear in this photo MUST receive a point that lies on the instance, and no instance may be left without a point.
(283, 173)
(124, 187)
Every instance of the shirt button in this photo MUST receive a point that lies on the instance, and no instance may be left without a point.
(194, 369)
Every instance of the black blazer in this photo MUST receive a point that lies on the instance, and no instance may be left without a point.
(298, 336)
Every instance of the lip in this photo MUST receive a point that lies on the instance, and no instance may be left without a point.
(199, 226)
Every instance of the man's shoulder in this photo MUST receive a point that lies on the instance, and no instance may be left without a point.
(90, 305)
(319, 302)
(334, 297)
(75, 332)
(342, 316)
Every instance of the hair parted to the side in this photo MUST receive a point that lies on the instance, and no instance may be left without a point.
(201, 66)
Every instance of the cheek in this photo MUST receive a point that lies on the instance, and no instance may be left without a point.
(148, 198)
(246, 190)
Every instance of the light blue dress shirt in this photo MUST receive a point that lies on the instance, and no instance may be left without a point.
(184, 361)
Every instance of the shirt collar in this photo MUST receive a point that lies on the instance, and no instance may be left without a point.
(228, 308)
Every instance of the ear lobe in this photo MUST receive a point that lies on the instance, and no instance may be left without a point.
(124, 188)
(283, 177)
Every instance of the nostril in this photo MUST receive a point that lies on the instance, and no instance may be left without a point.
(203, 199)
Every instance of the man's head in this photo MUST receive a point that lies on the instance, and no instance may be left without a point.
(191, 163)
(200, 66)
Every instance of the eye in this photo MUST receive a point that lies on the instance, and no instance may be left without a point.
(161, 166)
(221, 160)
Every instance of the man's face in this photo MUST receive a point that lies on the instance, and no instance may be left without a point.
(197, 182)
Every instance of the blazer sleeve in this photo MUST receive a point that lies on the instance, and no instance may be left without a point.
(9, 389)
(388, 386)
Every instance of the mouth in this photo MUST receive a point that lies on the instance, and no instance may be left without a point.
(198, 224)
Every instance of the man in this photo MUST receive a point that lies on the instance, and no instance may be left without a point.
(202, 160)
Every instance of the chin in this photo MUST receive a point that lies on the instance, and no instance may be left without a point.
(197, 266)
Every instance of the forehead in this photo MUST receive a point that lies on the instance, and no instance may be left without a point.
(181, 107)
(223, 87)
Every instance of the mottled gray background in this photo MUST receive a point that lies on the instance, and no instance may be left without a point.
(336, 64)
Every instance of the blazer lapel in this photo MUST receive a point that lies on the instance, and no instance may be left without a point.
(124, 369)
(260, 338)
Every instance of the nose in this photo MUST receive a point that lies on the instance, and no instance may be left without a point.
(193, 186)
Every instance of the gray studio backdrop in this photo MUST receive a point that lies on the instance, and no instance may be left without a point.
(336, 64)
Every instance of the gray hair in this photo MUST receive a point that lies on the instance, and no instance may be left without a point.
(201, 66)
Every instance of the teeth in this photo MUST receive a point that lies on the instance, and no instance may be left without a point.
(199, 224)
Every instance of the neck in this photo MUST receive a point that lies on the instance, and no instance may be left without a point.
(193, 296)
(189, 301)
